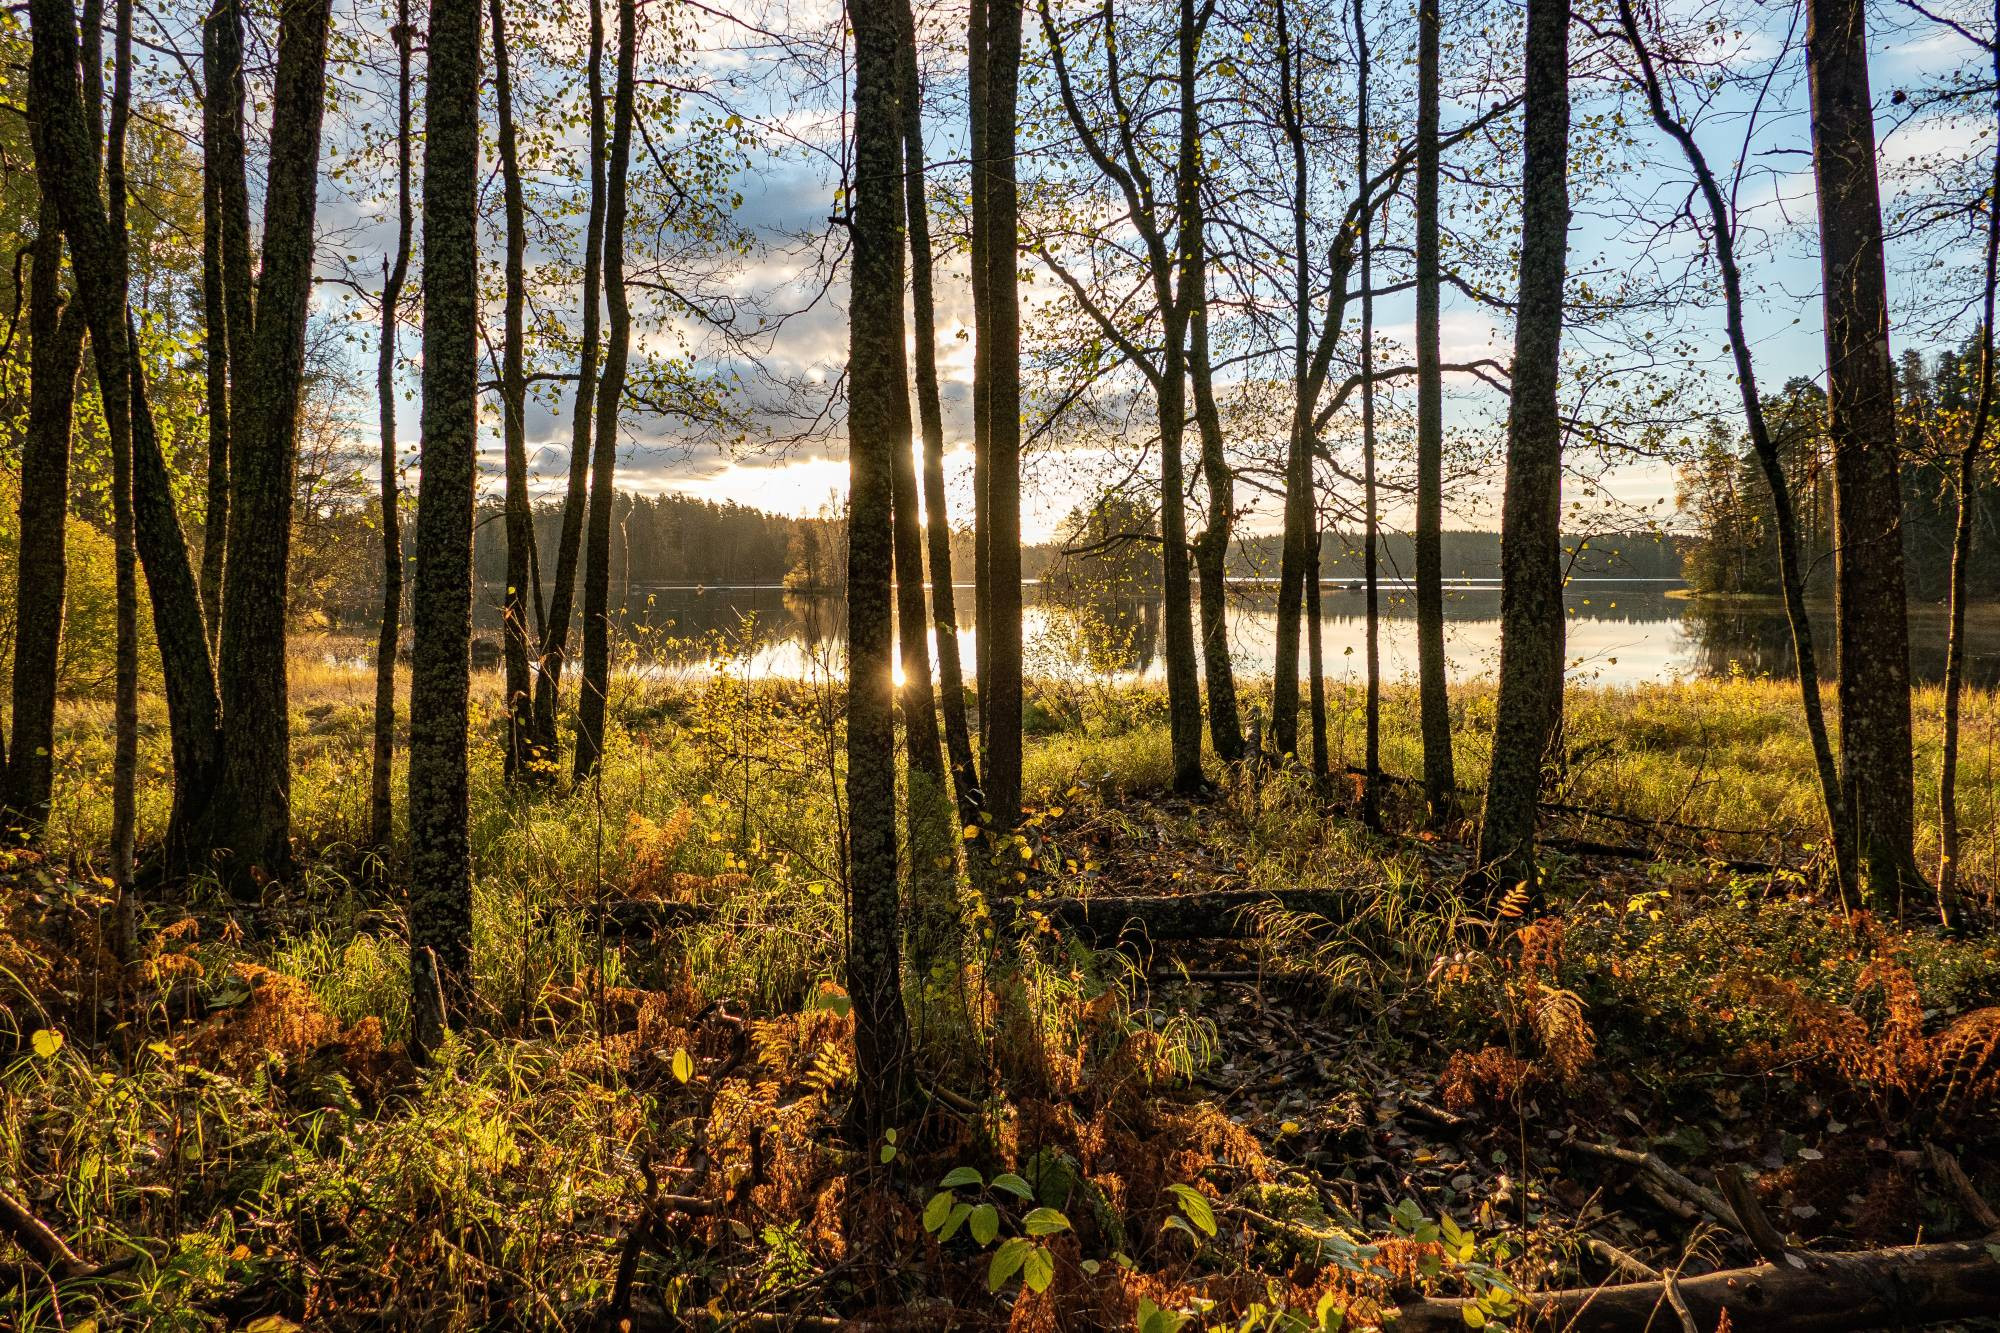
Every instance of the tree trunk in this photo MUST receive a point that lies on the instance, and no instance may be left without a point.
(978, 112)
(440, 675)
(67, 138)
(381, 810)
(878, 426)
(1961, 547)
(55, 343)
(515, 629)
(125, 555)
(1295, 553)
(930, 415)
(1211, 548)
(1876, 768)
(1906, 1287)
(250, 818)
(555, 629)
(1531, 624)
(1371, 763)
(228, 293)
(1791, 571)
(594, 692)
(1433, 702)
(1322, 762)
(215, 341)
(1000, 627)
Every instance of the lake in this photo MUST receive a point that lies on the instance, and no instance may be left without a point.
(1620, 632)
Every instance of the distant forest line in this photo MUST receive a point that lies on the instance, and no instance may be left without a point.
(670, 539)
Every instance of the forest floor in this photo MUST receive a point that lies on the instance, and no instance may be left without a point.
(1232, 1063)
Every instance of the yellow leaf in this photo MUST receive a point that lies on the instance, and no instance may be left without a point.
(46, 1042)
(683, 1065)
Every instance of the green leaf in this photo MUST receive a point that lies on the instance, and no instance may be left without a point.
(1038, 1269)
(961, 1175)
(938, 1211)
(985, 1223)
(1014, 1185)
(887, 1155)
(959, 1213)
(1473, 1315)
(1197, 1207)
(46, 1042)
(1044, 1222)
(1007, 1261)
(683, 1065)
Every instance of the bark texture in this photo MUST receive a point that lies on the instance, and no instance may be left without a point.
(569, 543)
(68, 132)
(878, 426)
(55, 343)
(250, 819)
(381, 808)
(517, 634)
(1873, 626)
(1433, 701)
(441, 672)
(1531, 623)
(998, 218)
(1791, 569)
(595, 689)
(930, 417)
(1961, 547)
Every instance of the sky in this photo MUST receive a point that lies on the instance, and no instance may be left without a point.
(787, 193)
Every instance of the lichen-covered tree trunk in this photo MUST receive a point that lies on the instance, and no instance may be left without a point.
(1791, 569)
(441, 673)
(381, 808)
(1876, 767)
(930, 416)
(249, 827)
(594, 692)
(228, 301)
(1531, 624)
(1211, 547)
(1961, 546)
(878, 426)
(1000, 626)
(1295, 552)
(569, 542)
(1371, 761)
(55, 342)
(1433, 701)
(517, 634)
(125, 554)
(68, 135)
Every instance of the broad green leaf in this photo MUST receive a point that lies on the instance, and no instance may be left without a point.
(1197, 1207)
(1038, 1269)
(1014, 1185)
(1044, 1222)
(1007, 1261)
(985, 1223)
(959, 1213)
(961, 1175)
(938, 1211)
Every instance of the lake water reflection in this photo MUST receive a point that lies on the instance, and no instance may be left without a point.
(1620, 632)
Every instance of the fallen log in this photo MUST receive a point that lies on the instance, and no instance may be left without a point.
(1906, 1287)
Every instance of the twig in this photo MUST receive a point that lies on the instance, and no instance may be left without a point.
(1750, 1216)
(1946, 1168)
(1707, 1200)
(39, 1239)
